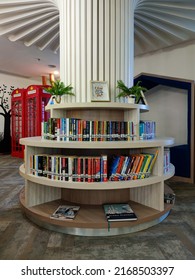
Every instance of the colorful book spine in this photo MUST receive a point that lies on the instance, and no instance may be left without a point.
(73, 129)
(147, 130)
(133, 167)
(167, 160)
(94, 168)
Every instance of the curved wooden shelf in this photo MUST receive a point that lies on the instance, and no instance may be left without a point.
(91, 221)
(111, 185)
(39, 142)
(96, 106)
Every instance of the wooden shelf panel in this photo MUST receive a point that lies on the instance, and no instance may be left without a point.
(170, 173)
(90, 216)
(96, 185)
(96, 106)
(90, 186)
(39, 142)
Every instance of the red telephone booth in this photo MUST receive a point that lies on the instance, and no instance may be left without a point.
(36, 100)
(18, 121)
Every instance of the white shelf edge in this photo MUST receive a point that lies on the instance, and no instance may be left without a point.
(39, 142)
(170, 173)
(96, 105)
(110, 185)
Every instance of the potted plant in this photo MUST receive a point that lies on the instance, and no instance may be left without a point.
(57, 89)
(133, 92)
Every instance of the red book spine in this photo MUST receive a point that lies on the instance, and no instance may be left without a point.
(84, 130)
(97, 169)
(119, 168)
(95, 130)
(89, 170)
(85, 169)
(104, 169)
(92, 170)
(79, 169)
(58, 129)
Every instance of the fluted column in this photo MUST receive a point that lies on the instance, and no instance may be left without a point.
(96, 43)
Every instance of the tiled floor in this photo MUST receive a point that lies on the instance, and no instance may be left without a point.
(20, 239)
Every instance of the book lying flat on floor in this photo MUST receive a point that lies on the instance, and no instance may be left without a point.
(64, 212)
(119, 212)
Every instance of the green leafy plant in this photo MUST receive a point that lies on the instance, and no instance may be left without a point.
(132, 91)
(58, 88)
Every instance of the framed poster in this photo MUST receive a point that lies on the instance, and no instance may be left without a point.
(99, 91)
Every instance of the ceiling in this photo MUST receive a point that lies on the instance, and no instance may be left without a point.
(29, 32)
(29, 37)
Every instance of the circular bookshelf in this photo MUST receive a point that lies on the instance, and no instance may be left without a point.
(42, 196)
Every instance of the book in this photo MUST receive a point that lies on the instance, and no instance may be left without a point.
(104, 168)
(147, 130)
(123, 171)
(153, 161)
(119, 212)
(113, 167)
(138, 168)
(64, 212)
(119, 168)
(143, 167)
(145, 173)
(135, 165)
(167, 161)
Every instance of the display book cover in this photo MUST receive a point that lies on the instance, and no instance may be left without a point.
(117, 212)
(65, 212)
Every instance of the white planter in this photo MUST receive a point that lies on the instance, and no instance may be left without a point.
(58, 99)
(130, 99)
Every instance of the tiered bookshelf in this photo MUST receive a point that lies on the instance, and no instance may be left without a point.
(42, 196)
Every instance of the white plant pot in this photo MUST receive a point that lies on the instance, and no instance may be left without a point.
(58, 99)
(130, 99)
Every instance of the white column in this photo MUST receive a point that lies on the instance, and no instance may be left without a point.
(96, 43)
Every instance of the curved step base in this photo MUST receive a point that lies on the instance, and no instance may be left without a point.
(98, 232)
(98, 226)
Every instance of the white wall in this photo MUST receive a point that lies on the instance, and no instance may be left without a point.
(17, 82)
(176, 62)
(168, 107)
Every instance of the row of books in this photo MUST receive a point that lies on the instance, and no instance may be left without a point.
(116, 212)
(73, 129)
(167, 160)
(94, 168)
(147, 130)
(70, 168)
(133, 167)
